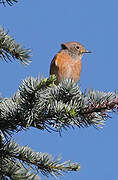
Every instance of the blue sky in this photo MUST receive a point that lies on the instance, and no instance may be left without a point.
(42, 26)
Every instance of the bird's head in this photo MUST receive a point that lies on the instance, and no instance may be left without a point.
(74, 49)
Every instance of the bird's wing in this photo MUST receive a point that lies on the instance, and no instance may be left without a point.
(60, 64)
(53, 66)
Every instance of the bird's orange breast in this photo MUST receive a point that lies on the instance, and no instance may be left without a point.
(64, 67)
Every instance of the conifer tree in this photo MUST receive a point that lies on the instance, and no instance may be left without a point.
(41, 104)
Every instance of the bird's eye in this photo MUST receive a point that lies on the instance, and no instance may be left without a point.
(77, 47)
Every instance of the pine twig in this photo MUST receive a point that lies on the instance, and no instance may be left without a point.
(9, 49)
(38, 162)
(9, 2)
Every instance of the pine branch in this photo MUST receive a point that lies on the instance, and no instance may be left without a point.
(23, 157)
(10, 50)
(9, 168)
(9, 2)
(43, 105)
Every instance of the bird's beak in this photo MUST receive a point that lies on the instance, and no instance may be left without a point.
(87, 51)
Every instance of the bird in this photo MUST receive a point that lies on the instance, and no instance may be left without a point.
(67, 63)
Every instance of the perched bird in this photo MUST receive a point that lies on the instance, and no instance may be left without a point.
(67, 63)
